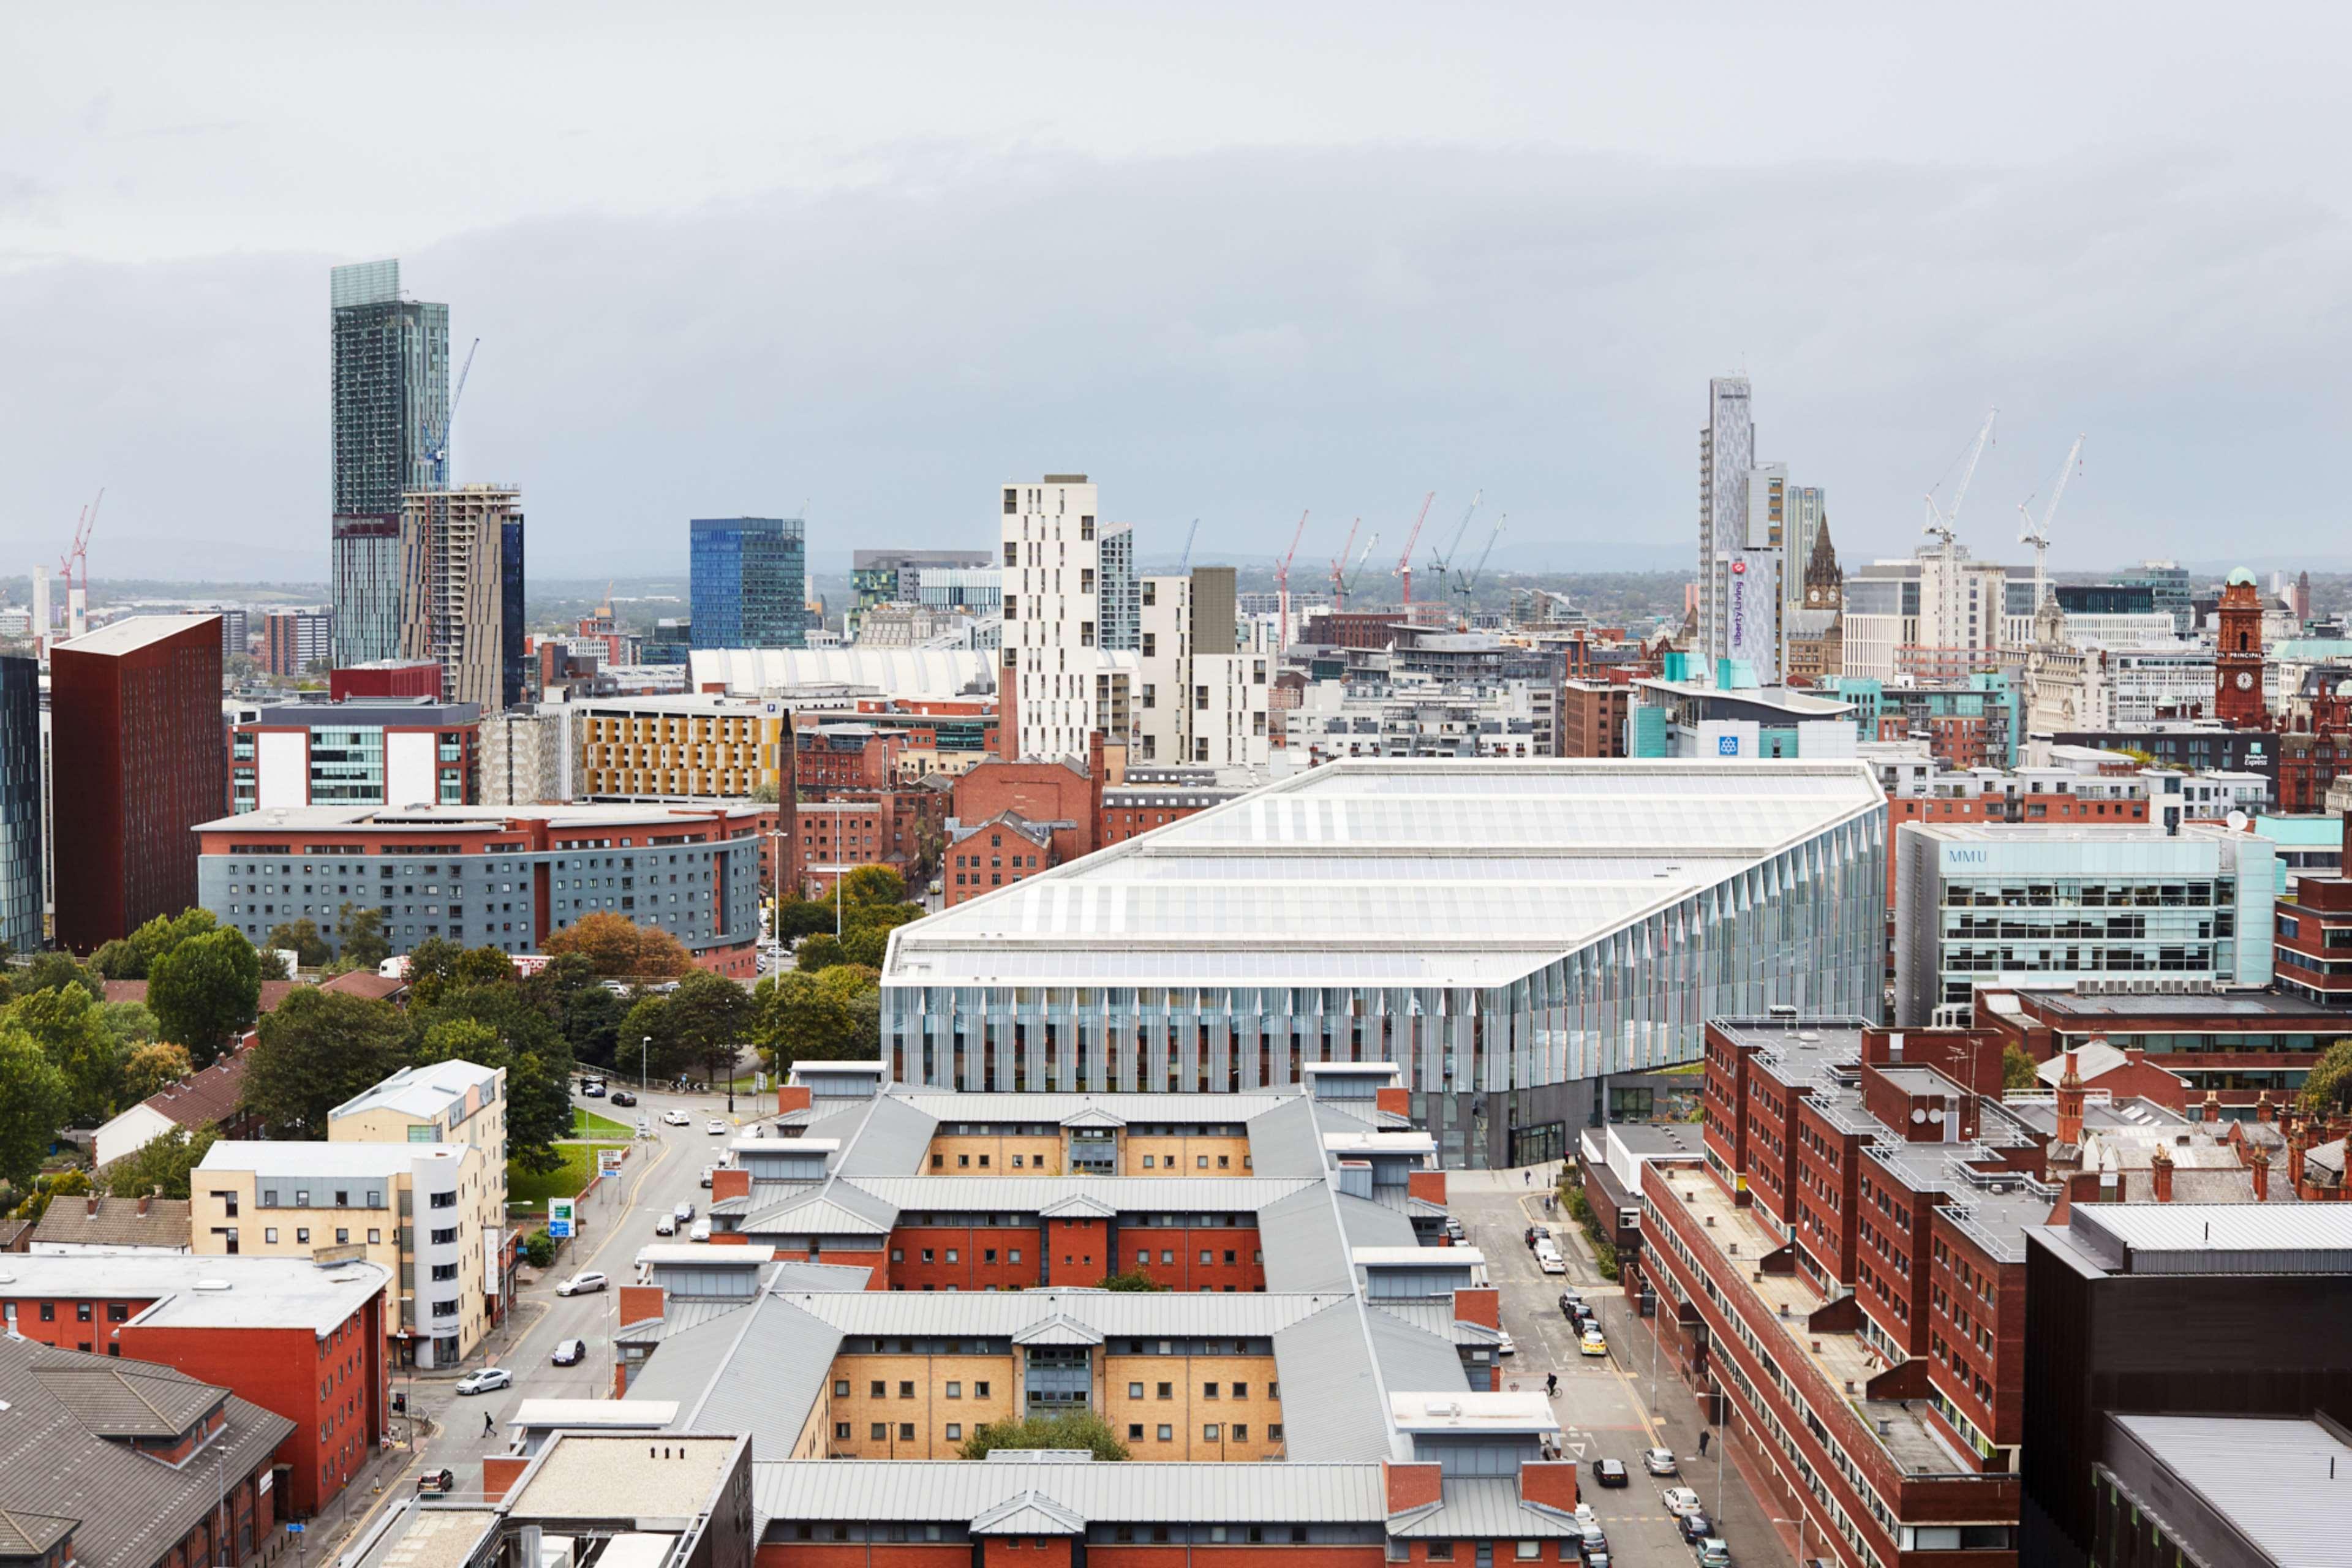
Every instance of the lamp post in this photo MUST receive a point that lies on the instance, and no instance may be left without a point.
(644, 1050)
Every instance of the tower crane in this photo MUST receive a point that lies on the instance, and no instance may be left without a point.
(1184, 562)
(1942, 525)
(1282, 584)
(1405, 561)
(1344, 577)
(75, 569)
(1443, 564)
(441, 443)
(1465, 584)
(2037, 534)
(1339, 567)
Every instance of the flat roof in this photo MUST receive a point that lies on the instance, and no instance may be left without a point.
(132, 632)
(414, 1533)
(190, 1291)
(1417, 1256)
(486, 818)
(425, 1091)
(707, 1254)
(1390, 871)
(307, 1159)
(1459, 1410)
(2215, 1239)
(2282, 1483)
(595, 1474)
(2137, 1005)
(623, 1412)
(368, 713)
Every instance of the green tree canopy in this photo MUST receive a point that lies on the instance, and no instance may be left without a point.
(1073, 1429)
(507, 1031)
(2329, 1085)
(318, 1050)
(819, 951)
(43, 1190)
(2017, 1069)
(832, 1015)
(1133, 1279)
(710, 1018)
(163, 1162)
(57, 971)
(360, 927)
(131, 1023)
(148, 1068)
(302, 938)
(206, 991)
(34, 1100)
(871, 885)
(133, 958)
(75, 1039)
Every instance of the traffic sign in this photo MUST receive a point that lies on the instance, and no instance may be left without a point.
(559, 1214)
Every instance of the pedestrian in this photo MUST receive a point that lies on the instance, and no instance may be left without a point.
(490, 1428)
(1528, 1178)
(1551, 1383)
(1702, 1443)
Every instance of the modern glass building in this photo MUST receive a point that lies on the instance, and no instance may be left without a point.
(389, 388)
(750, 582)
(1511, 933)
(2001, 905)
(20, 804)
(1122, 593)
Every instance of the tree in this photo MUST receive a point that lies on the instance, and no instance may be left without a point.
(163, 1162)
(269, 963)
(798, 918)
(1071, 1430)
(131, 1023)
(763, 793)
(2017, 1069)
(74, 1037)
(47, 1189)
(204, 990)
(56, 972)
(363, 943)
(618, 945)
(1133, 1279)
(867, 946)
(115, 960)
(134, 957)
(2329, 1085)
(150, 1068)
(433, 969)
(710, 1018)
(814, 1017)
(34, 1097)
(646, 1037)
(318, 1050)
(819, 951)
(509, 1031)
(302, 938)
(873, 885)
(485, 966)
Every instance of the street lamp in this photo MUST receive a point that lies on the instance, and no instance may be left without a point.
(644, 1083)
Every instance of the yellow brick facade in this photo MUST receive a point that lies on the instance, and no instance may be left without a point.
(926, 1392)
(1131, 1389)
(640, 752)
(1182, 1155)
(995, 1154)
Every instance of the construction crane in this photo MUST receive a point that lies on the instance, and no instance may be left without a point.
(1942, 525)
(1443, 565)
(1465, 584)
(1184, 562)
(1344, 577)
(1405, 561)
(1282, 585)
(1339, 567)
(441, 443)
(2037, 534)
(75, 569)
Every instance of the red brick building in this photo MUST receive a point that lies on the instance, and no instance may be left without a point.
(2238, 1046)
(394, 679)
(1593, 718)
(850, 829)
(137, 761)
(830, 757)
(300, 1341)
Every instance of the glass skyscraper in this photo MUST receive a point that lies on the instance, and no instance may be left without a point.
(20, 804)
(390, 392)
(750, 582)
(1122, 596)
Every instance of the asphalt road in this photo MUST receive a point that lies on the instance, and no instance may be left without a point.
(1604, 1403)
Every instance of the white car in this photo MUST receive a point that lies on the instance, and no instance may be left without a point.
(581, 1283)
(702, 1231)
(1679, 1500)
(674, 1117)
(486, 1380)
(1505, 1345)
(706, 1173)
(666, 1225)
(1550, 1262)
(715, 1127)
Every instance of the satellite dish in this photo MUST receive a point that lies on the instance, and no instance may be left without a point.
(2238, 821)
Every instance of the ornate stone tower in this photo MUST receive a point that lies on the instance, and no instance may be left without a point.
(2238, 656)
(1824, 581)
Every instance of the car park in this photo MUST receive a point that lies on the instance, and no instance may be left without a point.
(623, 1099)
(569, 1353)
(1694, 1526)
(1594, 1342)
(1610, 1473)
(486, 1380)
(581, 1283)
(674, 1117)
(1679, 1500)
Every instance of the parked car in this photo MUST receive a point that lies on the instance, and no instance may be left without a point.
(1550, 1262)
(666, 1225)
(1714, 1553)
(715, 1127)
(1594, 1342)
(440, 1480)
(1505, 1345)
(1594, 1539)
(1696, 1526)
(674, 1117)
(581, 1283)
(706, 1173)
(486, 1380)
(685, 1213)
(1538, 1233)
(593, 1089)
(1455, 1229)
(569, 1353)
(1593, 1556)
(1679, 1500)
(1659, 1462)
(702, 1231)
(623, 1098)
(1610, 1473)
(1570, 1304)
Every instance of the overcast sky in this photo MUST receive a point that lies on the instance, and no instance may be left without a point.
(1232, 260)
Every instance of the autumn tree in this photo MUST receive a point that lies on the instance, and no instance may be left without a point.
(152, 1068)
(619, 947)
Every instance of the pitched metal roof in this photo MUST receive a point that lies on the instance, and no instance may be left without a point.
(757, 1372)
(1112, 1314)
(946, 1105)
(958, 1492)
(1286, 1141)
(1305, 1248)
(814, 1213)
(1437, 1317)
(1482, 1507)
(1344, 1417)
(1412, 1359)
(1368, 1224)
(1028, 1513)
(1027, 1195)
(889, 1141)
(2281, 1483)
(1061, 1329)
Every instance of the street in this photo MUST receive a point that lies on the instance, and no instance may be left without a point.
(1604, 1403)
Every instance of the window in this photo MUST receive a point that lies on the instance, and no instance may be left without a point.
(1241, 1391)
(841, 1388)
(48, 1311)
(302, 1236)
(1441, 1551)
(980, 1391)
(841, 1434)
(906, 1391)
(1135, 1431)
(1209, 1433)
(269, 1234)
(906, 1431)
(1167, 1391)
(880, 1432)
(1207, 1391)
(1135, 1391)
(955, 1432)
(1241, 1432)
(879, 1390)
(1527, 1551)
(955, 1391)
(1167, 1433)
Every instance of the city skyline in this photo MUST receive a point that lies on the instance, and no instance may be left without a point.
(1483, 293)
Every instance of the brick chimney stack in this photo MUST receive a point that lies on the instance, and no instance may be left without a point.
(2161, 1167)
(1008, 706)
(2070, 1103)
(2262, 1167)
(2263, 1109)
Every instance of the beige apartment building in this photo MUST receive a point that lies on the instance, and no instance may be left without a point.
(633, 748)
(461, 578)
(449, 1103)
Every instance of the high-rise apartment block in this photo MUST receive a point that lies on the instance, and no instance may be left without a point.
(1200, 697)
(750, 582)
(1122, 605)
(137, 762)
(461, 563)
(1742, 548)
(294, 640)
(390, 391)
(1064, 685)
(21, 894)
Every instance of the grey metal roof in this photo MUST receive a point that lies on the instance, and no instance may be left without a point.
(813, 1214)
(1110, 1313)
(2283, 1484)
(681, 1316)
(1369, 1224)
(957, 1106)
(786, 1278)
(1134, 1492)
(1305, 1249)
(2216, 1239)
(891, 1141)
(1343, 1417)
(1061, 1329)
(1286, 1141)
(1477, 1508)
(1027, 1195)
(757, 1372)
(1437, 1317)
(1028, 1513)
(1414, 1361)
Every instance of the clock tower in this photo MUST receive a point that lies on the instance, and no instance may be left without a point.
(2238, 655)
